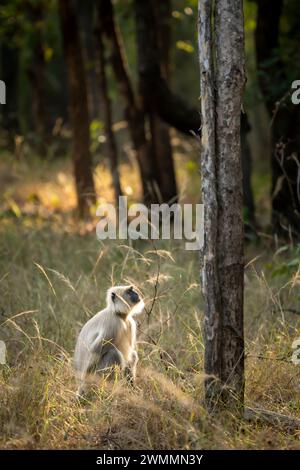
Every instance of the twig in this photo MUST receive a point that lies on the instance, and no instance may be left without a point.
(155, 286)
(277, 107)
(260, 356)
(289, 310)
(272, 418)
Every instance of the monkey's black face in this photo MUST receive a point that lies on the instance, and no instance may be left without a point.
(133, 296)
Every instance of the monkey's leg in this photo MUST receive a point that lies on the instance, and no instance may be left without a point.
(81, 390)
(112, 357)
(130, 370)
(87, 367)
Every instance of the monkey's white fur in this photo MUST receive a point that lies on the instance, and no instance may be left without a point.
(109, 338)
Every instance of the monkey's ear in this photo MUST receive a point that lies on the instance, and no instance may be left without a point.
(113, 296)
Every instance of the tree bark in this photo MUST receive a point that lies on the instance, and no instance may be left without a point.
(210, 274)
(78, 107)
(222, 85)
(133, 113)
(148, 47)
(285, 117)
(105, 99)
(230, 82)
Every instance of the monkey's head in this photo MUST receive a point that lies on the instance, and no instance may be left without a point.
(124, 300)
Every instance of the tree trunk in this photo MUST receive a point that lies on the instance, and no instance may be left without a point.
(164, 154)
(149, 51)
(171, 108)
(163, 18)
(230, 82)
(105, 99)
(222, 84)
(37, 76)
(285, 117)
(210, 273)
(86, 17)
(9, 112)
(247, 171)
(78, 107)
(133, 114)
(162, 159)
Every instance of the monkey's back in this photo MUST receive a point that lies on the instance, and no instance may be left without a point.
(91, 330)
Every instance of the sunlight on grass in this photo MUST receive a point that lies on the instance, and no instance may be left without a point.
(53, 277)
(43, 188)
(52, 282)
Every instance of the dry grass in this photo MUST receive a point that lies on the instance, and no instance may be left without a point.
(53, 277)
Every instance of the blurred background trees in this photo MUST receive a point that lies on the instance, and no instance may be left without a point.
(119, 80)
(78, 105)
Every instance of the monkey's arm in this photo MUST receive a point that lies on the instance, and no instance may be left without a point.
(87, 352)
(97, 344)
(106, 353)
(111, 357)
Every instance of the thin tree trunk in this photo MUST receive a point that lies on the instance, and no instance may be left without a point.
(86, 17)
(10, 112)
(230, 82)
(247, 171)
(78, 107)
(133, 114)
(171, 108)
(163, 18)
(36, 74)
(163, 159)
(222, 84)
(210, 273)
(160, 133)
(37, 77)
(105, 99)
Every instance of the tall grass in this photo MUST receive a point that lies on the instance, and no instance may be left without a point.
(52, 279)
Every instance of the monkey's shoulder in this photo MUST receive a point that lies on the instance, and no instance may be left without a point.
(95, 322)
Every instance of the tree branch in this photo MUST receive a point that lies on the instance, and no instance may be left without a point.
(160, 98)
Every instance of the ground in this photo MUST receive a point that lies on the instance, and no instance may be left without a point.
(54, 275)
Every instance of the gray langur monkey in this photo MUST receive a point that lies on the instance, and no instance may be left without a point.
(108, 339)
